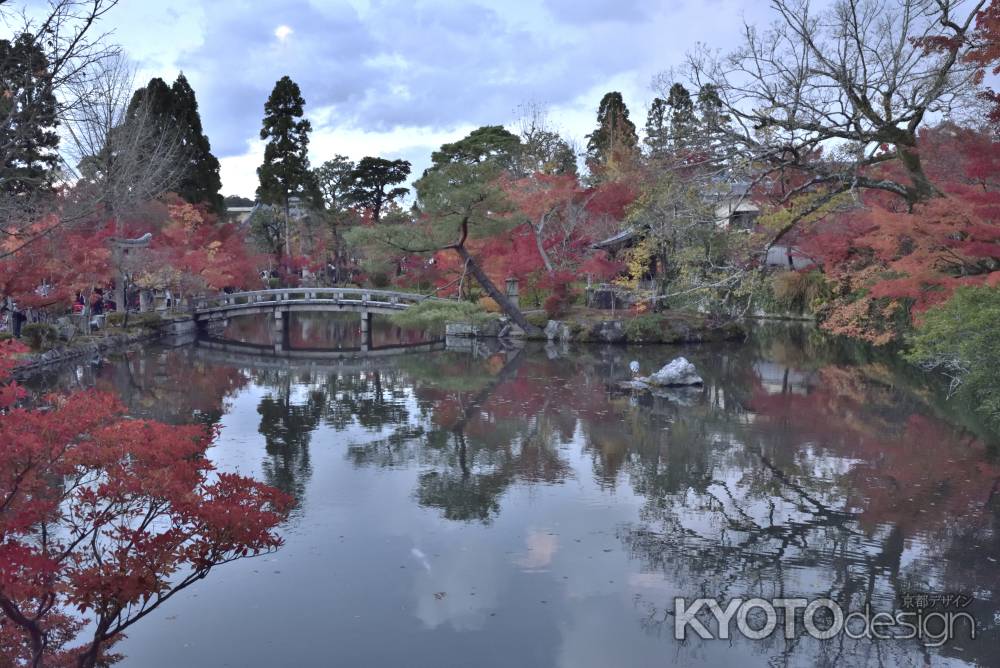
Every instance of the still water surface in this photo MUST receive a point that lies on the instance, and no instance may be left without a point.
(515, 508)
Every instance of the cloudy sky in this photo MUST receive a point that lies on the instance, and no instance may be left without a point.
(399, 77)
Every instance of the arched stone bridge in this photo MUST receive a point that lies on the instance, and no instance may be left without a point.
(281, 301)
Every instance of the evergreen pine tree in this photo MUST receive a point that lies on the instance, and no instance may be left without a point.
(333, 179)
(28, 139)
(372, 181)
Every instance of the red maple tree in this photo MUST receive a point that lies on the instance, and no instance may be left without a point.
(888, 264)
(104, 518)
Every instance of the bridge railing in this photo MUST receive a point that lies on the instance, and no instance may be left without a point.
(346, 296)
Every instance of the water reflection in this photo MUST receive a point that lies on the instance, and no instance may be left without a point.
(321, 331)
(516, 507)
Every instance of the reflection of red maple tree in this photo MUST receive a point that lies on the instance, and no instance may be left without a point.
(905, 469)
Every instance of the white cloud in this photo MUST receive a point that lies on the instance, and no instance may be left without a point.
(239, 173)
(399, 77)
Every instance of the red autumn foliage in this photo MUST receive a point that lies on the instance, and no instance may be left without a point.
(190, 251)
(888, 264)
(200, 253)
(104, 518)
(561, 293)
(987, 51)
(565, 217)
(53, 268)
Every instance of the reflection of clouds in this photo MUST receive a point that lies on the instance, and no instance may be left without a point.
(591, 638)
(646, 581)
(541, 547)
(461, 589)
(421, 558)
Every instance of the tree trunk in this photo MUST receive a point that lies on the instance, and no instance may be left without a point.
(288, 236)
(922, 188)
(123, 304)
(118, 255)
(541, 250)
(512, 311)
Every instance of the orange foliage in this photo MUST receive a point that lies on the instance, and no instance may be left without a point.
(888, 265)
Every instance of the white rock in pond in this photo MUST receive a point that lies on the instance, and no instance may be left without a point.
(678, 372)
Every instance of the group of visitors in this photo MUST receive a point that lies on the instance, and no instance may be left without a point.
(100, 303)
(12, 318)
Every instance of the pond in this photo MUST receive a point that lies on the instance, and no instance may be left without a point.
(514, 507)
(322, 331)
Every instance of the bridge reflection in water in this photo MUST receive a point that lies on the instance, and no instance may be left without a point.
(309, 323)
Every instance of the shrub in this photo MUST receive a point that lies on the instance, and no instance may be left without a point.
(379, 280)
(148, 319)
(489, 305)
(537, 318)
(557, 304)
(800, 291)
(40, 335)
(961, 338)
(562, 296)
(434, 314)
(645, 328)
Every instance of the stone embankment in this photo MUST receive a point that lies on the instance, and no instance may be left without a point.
(589, 327)
(102, 343)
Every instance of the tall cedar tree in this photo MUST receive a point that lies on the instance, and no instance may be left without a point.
(614, 141)
(683, 123)
(174, 110)
(371, 184)
(713, 133)
(285, 172)
(201, 182)
(657, 138)
(28, 139)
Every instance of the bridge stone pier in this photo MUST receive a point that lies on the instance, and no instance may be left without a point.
(279, 331)
(212, 312)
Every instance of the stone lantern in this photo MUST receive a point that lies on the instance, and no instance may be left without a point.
(512, 293)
